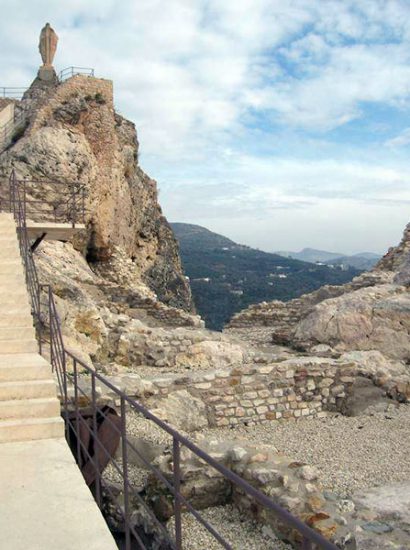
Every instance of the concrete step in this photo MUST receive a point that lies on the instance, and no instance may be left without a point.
(17, 333)
(21, 305)
(8, 310)
(7, 278)
(19, 346)
(45, 407)
(13, 296)
(16, 367)
(33, 389)
(16, 319)
(8, 246)
(11, 267)
(8, 235)
(31, 429)
(11, 253)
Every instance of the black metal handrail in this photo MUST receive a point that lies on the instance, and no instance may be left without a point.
(18, 208)
(69, 378)
(49, 200)
(68, 72)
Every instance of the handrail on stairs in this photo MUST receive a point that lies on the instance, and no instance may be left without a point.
(90, 458)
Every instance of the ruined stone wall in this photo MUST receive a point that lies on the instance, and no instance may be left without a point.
(253, 394)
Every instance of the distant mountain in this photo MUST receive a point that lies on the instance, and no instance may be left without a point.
(226, 277)
(362, 260)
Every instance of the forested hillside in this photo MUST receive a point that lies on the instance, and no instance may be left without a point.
(226, 277)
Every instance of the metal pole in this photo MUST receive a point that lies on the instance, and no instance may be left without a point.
(176, 453)
(65, 389)
(95, 446)
(73, 207)
(306, 544)
(77, 414)
(50, 317)
(125, 475)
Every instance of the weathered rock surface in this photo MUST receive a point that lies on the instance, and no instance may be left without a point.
(181, 410)
(74, 135)
(369, 318)
(370, 313)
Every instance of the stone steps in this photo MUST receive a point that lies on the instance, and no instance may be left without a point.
(27, 389)
(19, 346)
(31, 429)
(39, 407)
(10, 319)
(23, 367)
(29, 407)
(17, 332)
(5, 279)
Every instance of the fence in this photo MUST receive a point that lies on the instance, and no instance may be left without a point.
(94, 455)
(68, 72)
(47, 200)
(9, 130)
(12, 92)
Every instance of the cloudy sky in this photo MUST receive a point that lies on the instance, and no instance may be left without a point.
(279, 123)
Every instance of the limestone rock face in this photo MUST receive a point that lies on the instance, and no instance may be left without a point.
(75, 135)
(366, 319)
(370, 313)
(182, 411)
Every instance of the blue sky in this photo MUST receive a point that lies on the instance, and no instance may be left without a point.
(281, 124)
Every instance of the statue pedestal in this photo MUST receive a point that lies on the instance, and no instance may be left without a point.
(47, 74)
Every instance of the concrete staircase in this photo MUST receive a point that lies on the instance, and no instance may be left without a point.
(29, 408)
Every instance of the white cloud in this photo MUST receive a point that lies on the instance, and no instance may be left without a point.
(400, 140)
(194, 74)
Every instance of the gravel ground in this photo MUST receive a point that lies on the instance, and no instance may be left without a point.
(137, 476)
(240, 533)
(139, 426)
(351, 453)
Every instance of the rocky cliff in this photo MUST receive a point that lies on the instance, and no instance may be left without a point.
(73, 134)
(370, 313)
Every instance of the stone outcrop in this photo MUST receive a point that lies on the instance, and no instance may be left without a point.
(370, 313)
(74, 135)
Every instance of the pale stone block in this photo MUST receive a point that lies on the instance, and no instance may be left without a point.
(250, 395)
(265, 370)
(203, 386)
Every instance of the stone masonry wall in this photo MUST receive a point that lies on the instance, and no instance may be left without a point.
(252, 394)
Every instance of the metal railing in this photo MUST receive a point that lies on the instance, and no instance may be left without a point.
(8, 130)
(93, 456)
(47, 200)
(68, 72)
(12, 92)
(18, 208)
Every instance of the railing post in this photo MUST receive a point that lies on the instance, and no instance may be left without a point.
(176, 455)
(125, 476)
(95, 445)
(83, 204)
(73, 220)
(50, 322)
(77, 414)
